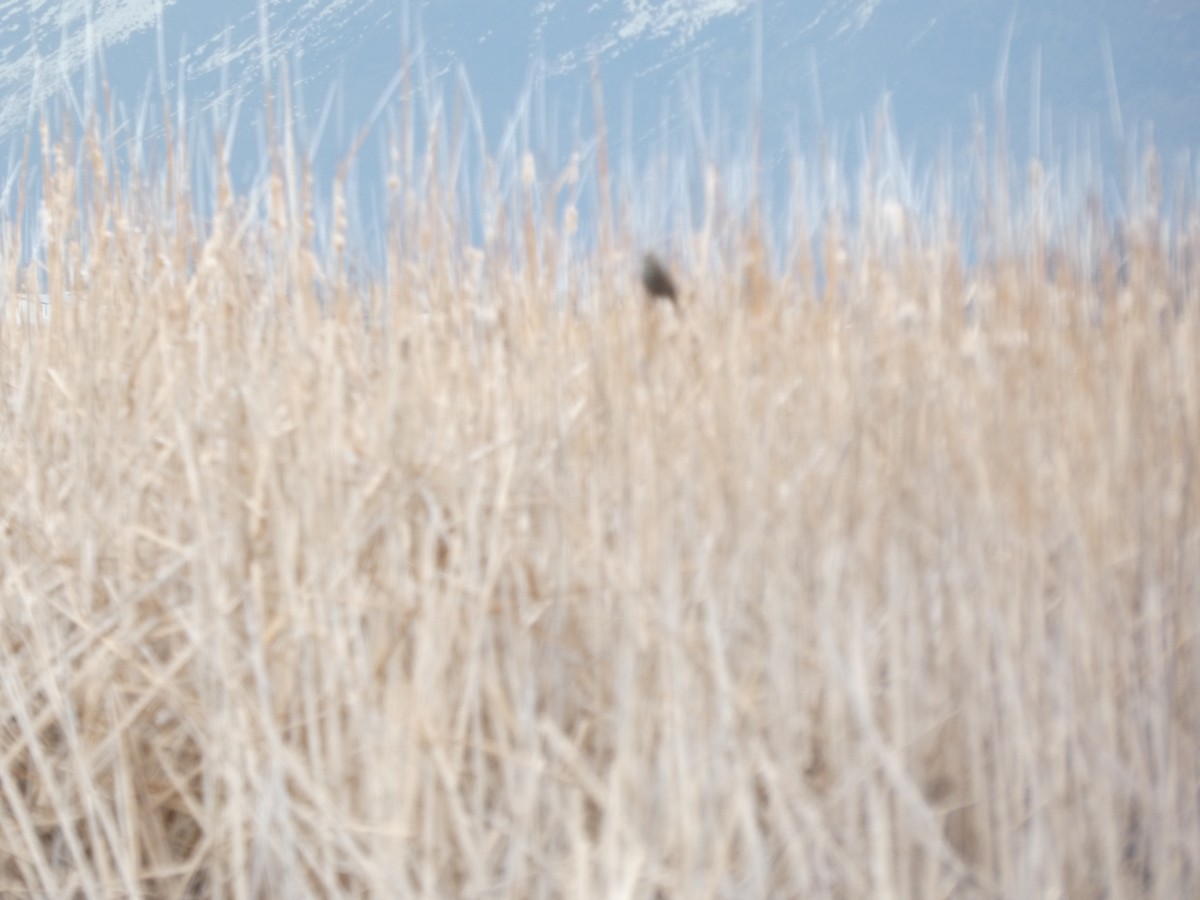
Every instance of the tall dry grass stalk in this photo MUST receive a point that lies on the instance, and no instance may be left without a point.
(874, 574)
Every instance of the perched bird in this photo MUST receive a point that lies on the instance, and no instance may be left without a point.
(657, 280)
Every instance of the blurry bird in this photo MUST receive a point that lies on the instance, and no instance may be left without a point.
(657, 280)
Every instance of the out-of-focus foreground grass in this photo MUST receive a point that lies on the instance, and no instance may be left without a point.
(871, 572)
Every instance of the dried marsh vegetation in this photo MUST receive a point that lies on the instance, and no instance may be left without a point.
(873, 571)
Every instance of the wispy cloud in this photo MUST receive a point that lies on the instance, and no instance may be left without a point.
(679, 19)
(44, 43)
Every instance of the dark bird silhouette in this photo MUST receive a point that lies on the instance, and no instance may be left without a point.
(657, 280)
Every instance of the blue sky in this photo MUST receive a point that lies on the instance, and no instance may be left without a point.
(699, 71)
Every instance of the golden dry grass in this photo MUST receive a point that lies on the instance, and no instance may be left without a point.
(820, 588)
